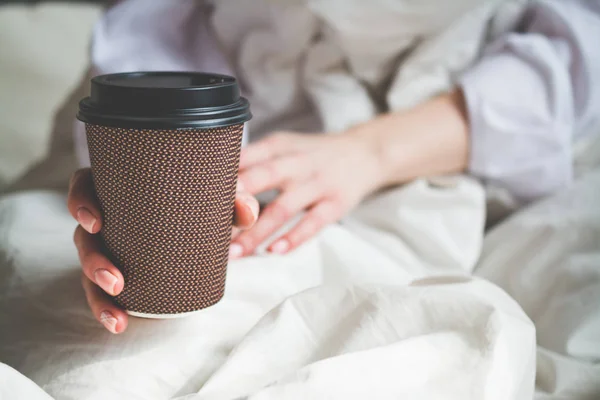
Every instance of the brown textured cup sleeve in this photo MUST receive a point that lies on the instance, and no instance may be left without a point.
(167, 197)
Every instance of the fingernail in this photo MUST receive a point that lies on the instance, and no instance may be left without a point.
(240, 186)
(235, 251)
(86, 219)
(106, 280)
(109, 321)
(253, 206)
(280, 246)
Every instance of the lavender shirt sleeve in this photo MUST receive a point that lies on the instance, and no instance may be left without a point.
(532, 95)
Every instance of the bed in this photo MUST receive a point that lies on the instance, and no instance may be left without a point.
(409, 297)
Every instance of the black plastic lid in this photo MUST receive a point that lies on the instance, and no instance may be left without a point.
(164, 100)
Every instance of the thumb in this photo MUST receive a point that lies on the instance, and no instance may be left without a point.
(246, 209)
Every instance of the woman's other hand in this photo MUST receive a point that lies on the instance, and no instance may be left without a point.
(324, 175)
(328, 175)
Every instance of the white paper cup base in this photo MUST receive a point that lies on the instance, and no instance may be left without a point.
(162, 316)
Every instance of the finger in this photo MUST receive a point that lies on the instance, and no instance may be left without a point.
(322, 214)
(235, 232)
(276, 214)
(235, 250)
(270, 147)
(246, 210)
(82, 203)
(246, 214)
(96, 267)
(106, 312)
(274, 173)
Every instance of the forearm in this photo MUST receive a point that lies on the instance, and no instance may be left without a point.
(431, 139)
(528, 98)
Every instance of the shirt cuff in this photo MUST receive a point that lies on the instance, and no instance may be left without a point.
(520, 120)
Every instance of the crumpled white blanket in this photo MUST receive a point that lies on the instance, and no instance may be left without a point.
(381, 306)
(385, 305)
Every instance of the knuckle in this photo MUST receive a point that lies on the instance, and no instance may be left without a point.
(279, 211)
(302, 159)
(92, 295)
(78, 236)
(246, 241)
(84, 280)
(93, 260)
(317, 221)
(278, 140)
(87, 262)
(74, 177)
(244, 180)
(303, 232)
(278, 137)
(77, 177)
(320, 216)
(312, 225)
(299, 165)
(79, 189)
(320, 182)
(297, 236)
(72, 203)
(332, 207)
(256, 178)
(88, 289)
(271, 143)
(271, 170)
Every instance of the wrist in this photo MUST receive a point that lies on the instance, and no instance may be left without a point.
(369, 143)
(430, 139)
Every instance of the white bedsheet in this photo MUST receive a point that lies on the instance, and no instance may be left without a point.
(382, 306)
(350, 321)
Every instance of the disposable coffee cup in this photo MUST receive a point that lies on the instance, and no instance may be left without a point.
(164, 150)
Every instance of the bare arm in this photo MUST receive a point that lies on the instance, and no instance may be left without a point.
(431, 139)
